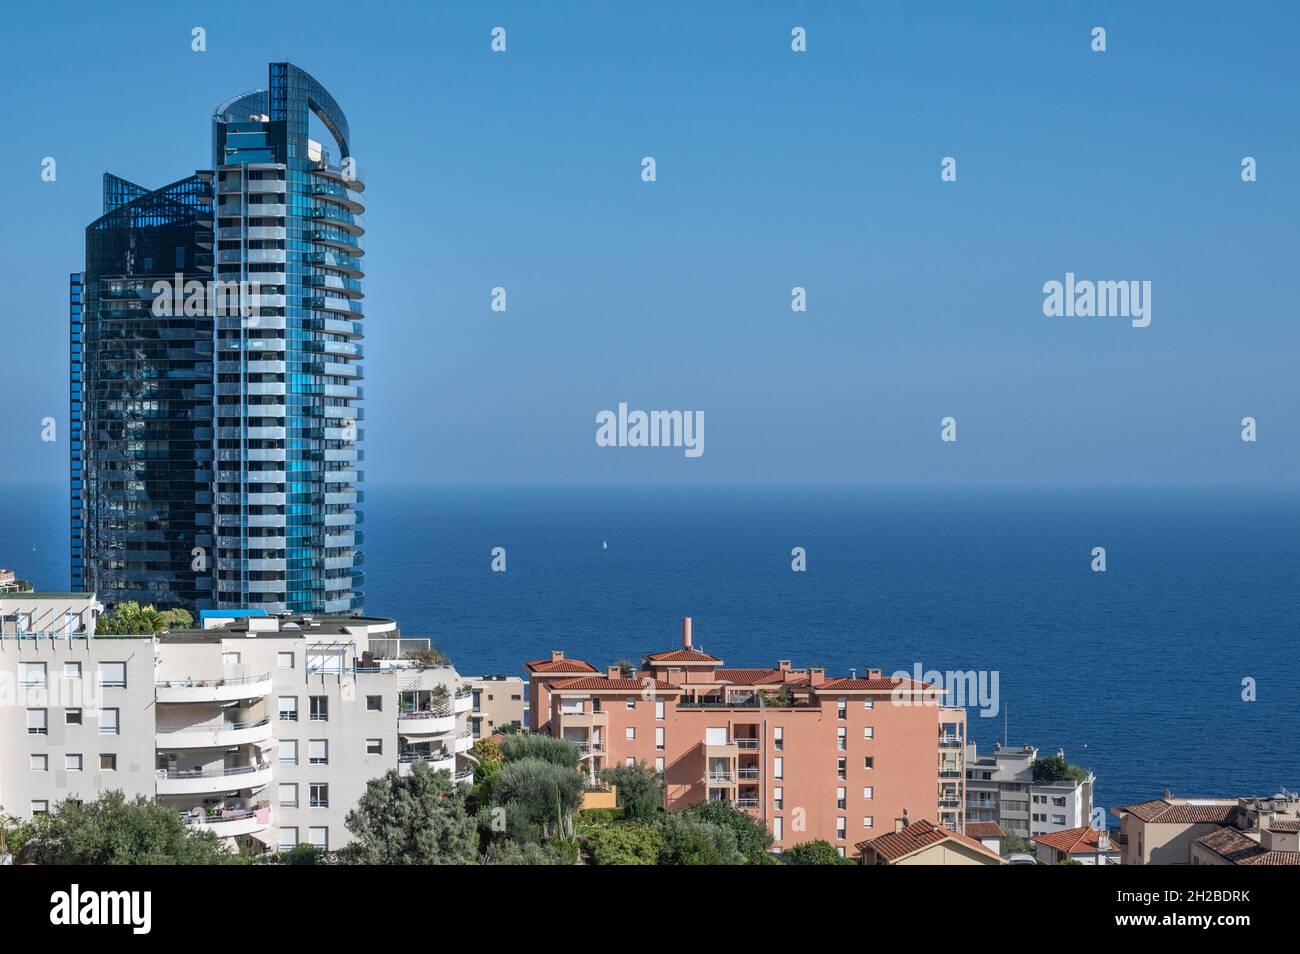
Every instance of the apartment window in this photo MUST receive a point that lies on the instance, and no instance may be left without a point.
(39, 806)
(107, 762)
(659, 764)
(112, 675)
(288, 708)
(868, 821)
(319, 838)
(230, 659)
(868, 792)
(1058, 819)
(288, 794)
(72, 763)
(374, 746)
(840, 849)
(842, 739)
(1058, 801)
(868, 732)
(659, 737)
(869, 762)
(319, 708)
(72, 670)
(659, 709)
(319, 792)
(868, 703)
(777, 829)
(631, 733)
(477, 703)
(778, 767)
(778, 738)
(841, 798)
(841, 768)
(38, 722)
(631, 760)
(39, 763)
(841, 708)
(374, 703)
(631, 702)
(1040, 799)
(1039, 818)
(841, 828)
(778, 798)
(288, 838)
(288, 751)
(110, 721)
(318, 751)
(476, 726)
(284, 660)
(72, 717)
(32, 675)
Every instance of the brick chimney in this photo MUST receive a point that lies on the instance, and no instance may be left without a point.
(816, 675)
(614, 672)
(686, 632)
(873, 673)
(1103, 841)
(557, 655)
(783, 665)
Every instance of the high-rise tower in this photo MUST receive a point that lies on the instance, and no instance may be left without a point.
(218, 464)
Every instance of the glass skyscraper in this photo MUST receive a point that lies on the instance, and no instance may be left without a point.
(218, 465)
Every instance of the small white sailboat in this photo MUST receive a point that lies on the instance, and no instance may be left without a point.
(604, 545)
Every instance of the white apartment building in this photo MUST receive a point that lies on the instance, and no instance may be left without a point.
(1001, 788)
(261, 726)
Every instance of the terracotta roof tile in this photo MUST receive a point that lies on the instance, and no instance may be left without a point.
(985, 830)
(603, 682)
(683, 655)
(559, 665)
(1074, 840)
(896, 845)
(1182, 813)
(887, 683)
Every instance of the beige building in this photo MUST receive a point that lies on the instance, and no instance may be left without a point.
(498, 701)
(1180, 831)
(925, 843)
(267, 727)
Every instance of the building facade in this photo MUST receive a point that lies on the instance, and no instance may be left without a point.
(811, 756)
(216, 344)
(1000, 788)
(1177, 831)
(254, 726)
(498, 704)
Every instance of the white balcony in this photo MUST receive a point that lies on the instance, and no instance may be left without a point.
(214, 690)
(416, 723)
(214, 736)
(464, 742)
(230, 824)
(464, 701)
(436, 763)
(210, 781)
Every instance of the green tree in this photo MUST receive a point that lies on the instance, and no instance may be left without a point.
(690, 840)
(427, 658)
(1054, 768)
(538, 745)
(752, 837)
(112, 831)
(640, 790)
(538, 799)
(129, 618)
(626, 667)
(417, 819)
(818, 852)
(624, 844)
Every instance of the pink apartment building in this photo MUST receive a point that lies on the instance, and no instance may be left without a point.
(812, 756)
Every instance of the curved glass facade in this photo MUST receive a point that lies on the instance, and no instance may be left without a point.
(273, 417)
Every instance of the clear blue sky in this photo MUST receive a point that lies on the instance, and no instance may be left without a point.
(775, 169)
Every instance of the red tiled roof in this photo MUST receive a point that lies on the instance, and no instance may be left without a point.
(1235, 848)
(1073, 841)
(559, 665)
(896, 845)
(985, 830)
(887, 683)
(603, 682)
(1285, 826)
(748, 677)
(683, 655)
(1165, 812)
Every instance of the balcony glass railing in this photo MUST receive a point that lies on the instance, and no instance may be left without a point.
(214, 773)
(207, 683)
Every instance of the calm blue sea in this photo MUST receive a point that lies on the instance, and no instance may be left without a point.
(1137, 672)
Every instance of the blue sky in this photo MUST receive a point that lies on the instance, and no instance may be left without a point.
(775, 169)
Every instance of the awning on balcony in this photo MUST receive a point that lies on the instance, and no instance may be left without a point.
(268, 836)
